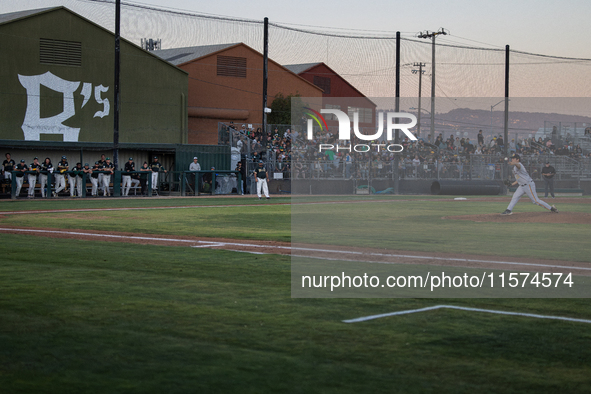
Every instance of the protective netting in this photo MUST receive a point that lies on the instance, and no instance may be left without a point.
(366, 60)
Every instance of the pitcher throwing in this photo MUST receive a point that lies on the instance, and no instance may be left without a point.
(526, 186)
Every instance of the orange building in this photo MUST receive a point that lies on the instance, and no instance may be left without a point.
(226, 85)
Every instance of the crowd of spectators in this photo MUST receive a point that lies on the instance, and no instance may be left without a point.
(445, 157)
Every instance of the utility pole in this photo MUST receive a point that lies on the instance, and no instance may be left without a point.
(397, 109)
(420, 71)
(432, 35)
(117, 88)
(265, 70)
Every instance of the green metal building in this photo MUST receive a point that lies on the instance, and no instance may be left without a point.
(56, 94)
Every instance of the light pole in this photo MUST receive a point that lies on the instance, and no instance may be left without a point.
(432, 35)
(491, 113)
(420, 71)
(419, 116)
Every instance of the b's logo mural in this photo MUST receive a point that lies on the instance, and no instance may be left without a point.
(34, 125)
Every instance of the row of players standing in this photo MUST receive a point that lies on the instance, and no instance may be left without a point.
(99, 175)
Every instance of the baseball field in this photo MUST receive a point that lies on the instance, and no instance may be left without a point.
(183, 295)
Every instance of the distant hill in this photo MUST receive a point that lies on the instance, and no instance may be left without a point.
(518, 121)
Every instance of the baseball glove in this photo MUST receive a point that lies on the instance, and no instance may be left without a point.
(507, 182)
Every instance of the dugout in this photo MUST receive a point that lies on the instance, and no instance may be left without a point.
(469, 188)
(174, 157)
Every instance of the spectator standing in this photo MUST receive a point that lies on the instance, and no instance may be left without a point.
(416, 162)
(548, 173)
(242, 170)
(348, 165)
(480, 138)
(195, 166)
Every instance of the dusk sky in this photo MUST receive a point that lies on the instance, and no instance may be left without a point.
(539, 26)
(534, 26)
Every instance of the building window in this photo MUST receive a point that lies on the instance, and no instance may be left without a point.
(365, 114)
(231, 66)
(59, 52)
(331, 116)
(323, 83)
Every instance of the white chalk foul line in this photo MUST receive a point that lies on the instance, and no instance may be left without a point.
(373, 317)
(431, 258)
(292, 248)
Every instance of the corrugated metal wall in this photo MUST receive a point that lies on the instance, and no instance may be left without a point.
(217, 156)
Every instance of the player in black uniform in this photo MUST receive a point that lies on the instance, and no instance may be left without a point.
(88, 172)
(261, 177)
(108, 169)
(156, 168)
(8, 167)
(129, 167)
(101, 163)
(46, 168)
(32, 177)
(94, 178)
(20, 169)
(60, 176)
(77, 175)
(548, 173)
(144, 178)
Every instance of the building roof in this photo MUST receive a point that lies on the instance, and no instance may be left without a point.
(300, 68)
(178, 56)
(12, 16)
(305, 67)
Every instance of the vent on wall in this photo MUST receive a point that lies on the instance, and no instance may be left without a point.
(62, 53)
(231, 66)
(323, 83)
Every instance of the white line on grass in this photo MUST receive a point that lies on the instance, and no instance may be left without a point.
(366, 318)
(206, 244)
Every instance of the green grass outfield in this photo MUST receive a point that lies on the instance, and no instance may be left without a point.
(91, 316)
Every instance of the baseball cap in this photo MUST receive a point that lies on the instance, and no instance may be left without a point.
(63, 157)
(22, 160)
(131, 159)
(108, 158)
(516, 156)
(85, 164)
(195, 158)
(155, 157)
(35, 158)
(547, 162)
(96, 162)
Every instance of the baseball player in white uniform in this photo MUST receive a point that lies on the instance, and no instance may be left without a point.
(526, 186)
